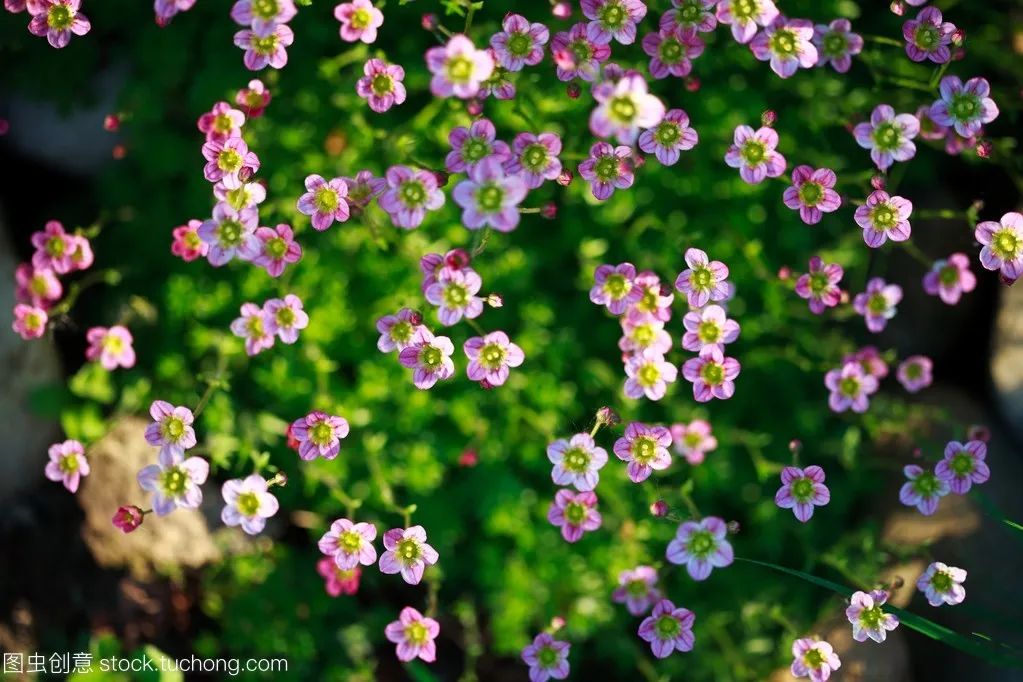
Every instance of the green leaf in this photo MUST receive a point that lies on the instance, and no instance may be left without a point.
(92, 382)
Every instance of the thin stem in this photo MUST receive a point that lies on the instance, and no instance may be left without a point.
(469, 16)
(883, 40)
(111, 277)
(476, 326)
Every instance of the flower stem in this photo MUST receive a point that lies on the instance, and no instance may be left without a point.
(884, 40)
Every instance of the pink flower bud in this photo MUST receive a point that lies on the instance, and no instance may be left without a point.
(557, 622)
(561, 10)
(565, 178)
(768, 118)
(5, 126)
(457, 259)
(474, 107)
(659, 509)
(984, 149)
(119, 151)
(898, 8)
(878, 182)
(608, 417)
(795, 445)
(495, 301)
(429, 22)
(573, 90)
(468, 458)
(549, 210)
(978, 432)
(128, 518)
(784, 273)
(692, 83)
(111, 123)
(958, 37)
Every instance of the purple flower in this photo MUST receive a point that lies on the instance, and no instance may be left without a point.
(704, 280)
(166, 9)
(229, 161)
(490, 196)
(801, 490)
(754, 155)
(745, 16)
(888, 136)
(359, 21)
(928, 37)
(397, 331)
(458, 68)
(325, 201)
(229, 233)
(490, 358)
(67, 464)
(576, 462)
(645, 448)
(429, 357)
(432, 265)
(535, 158)
(1002, 245)
(408, 553)
(965, 107)
(648, 375)
(942, 584)
(693, 440)
(577, 56)
(613, 19)
(813, 659)
(668, 629)
(350, 544)
(950, 278)
(812, 193)
(111, 347)
(701, 546)
(247, 195)
(262, 14)
(637, 589)
(381, 85)
(787, 44)
(53, 249)
(914, 373)
(608, 168)
(624, 108)
(868, 618)
(409, 195)
(454, 293)
(29, 321)
(884, 217)
(499, 85)
(171, 427)
(222, 122)
(265, 46)
(641, 331)
(256, 327)
(547, 658)
(671, 51)
(473, 145)
(669, 138)
(850, 387)
(708, 326)
(712, 374)
(690, 16)
(877, 303)
(923, 490)
(363, 188)
(870, 360)
(287, 317)
(520, 43)
(963, 465)
(837, 44)
(575, 513)
(414, 634)
(255, 98)
(614, 287)
(249, 503)
(57, 20)
(273, 248)
(174, 481)
(319, 435)
(656, 299)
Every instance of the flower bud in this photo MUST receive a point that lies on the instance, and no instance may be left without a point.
(561, 10)
(292, 441)
(549, 210)
(495, 300)
(565, 177)
(795, 446)
(280, 478)
(573, 90)
(733, 527)
(111, 123)
(978, 432)
(898, 8)
(878, 182)
(557, 622)
(607, 417)
(5, 126)
(442, 177)
(659, 509)
(692, 83)
(474, 106)
(120, 151)
(784, 273)
(768, 118)
(468, 458)
(958, 37)
(984, 149)
(128, 518)
(456, 259)
(897, 582)
(429, 22)
(844, 297)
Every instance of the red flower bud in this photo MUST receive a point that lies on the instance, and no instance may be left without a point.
(128, 518)
(768, 118)
(111, 123)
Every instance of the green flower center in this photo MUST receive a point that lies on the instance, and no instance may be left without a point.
(941, 581)
(708, 331)
(753, 152)
(670, 51)
(519, 44)
(581, 50)
(849, 387)
(285, 317)
(33, 320)
(229, 161)
(690, 11)
(413, 194)
(871, 618)
(113, 343)
(416, 633)
(835, 45)
(534, 157)
(612, 15)
(962, 463)
(883, 217)
(238, 198)
(492, 356)
(636, 588)
(667, 134)
(56, 246)
(914, 371)
(811, 193)
(361, 18)
(783, 43)
(575, 513)
(649, 375)
(321, 434)
(887, 136)
(623, 109)
(265, 9)
(173, 428)
(326, 200)
(744, 9)
(474, 149)
(606, 168)
(701, 543)
(648, 303)
(408, 549)
(265, 45)
(490, 198)
(431, 357)
(644, 449)
(350, 541)
(229, 233)
(926, 37)
(667, 627)
(702, 277)
(813, 659)
(643, 334)
(713, 373)
(38, 285)
(948, 275)
(965, 106)
(255, 326)
(68, 464)
(173, 482)
(547, 657)
(617, 286)
(459, 69)
(877, 304)
(277, 247)
(819, 283)
(248, 504)
(382, 84)
(222, 123)
(401, 331)
(1007, 245)
(455, 295)
(693, 439)
(927, 484)
(577, 460)
(60, 17)
(802, 489)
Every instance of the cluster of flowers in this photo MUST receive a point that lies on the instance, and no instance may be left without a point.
(277, 318)
(860, 373)
(55, 20)
(963, 465)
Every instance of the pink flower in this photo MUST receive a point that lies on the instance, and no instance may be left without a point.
(256, 327)
(942, 584)
(187, 244)
(745, 16)
(490, 358)
(965, 107)
(174, 481)
(111, 347)
(888, 136)
(850, 387)
(454, 292)
(458, 68)
(645, 448)
(668, 629)
(914, 373)
(820, 285)
(575, 513)
(499, 85)
(349, 544)
(690, 16)
(29, 321)
(171, 427)
(693, 440)
(38, 287)
(81, 253)
(712, 374)
(363, 188)
(708, 326)
(410, 194)
(490, 196)
(928, 37)
(248, 503)
(471, 146)
(613, 20)
(128, 518)
(246, 195)
(359, 21)
(324, 201)
(656, 298)
(648, 375)
(381, 85)
(608, 168)
(221, 122)
(273, 248)
(963, 465)
(787, 44)
(754, 155)
(260, 14)
(884, 217)
(702, 546)
(671, 51)
(338, 581)
(624, 108)
(287, 317)
(414, 634)
(67, 464)
(812, 193)
(637, 589)
(641, 331)
(535, 158)
(877, 303)
(429, 357)
(802, 490)
(397, 331)
(265, 46)
(614, 287)
(868, 618)
(57, 20)
(407, 553)
(950, 278)
(837, 44)
(577, 461)
(704, 280)
(576, 55)
(253, 99)
(669, 138)
(813, 659)
(319, 435)
(870, 360)
(53, 249)
(547, 658)
(1002, 245)
(519, 43)
(166, 10)
(229, 161)
(923, 489)
(228, 233)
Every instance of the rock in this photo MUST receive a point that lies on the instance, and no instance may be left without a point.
(1007, 358)
(179, 540)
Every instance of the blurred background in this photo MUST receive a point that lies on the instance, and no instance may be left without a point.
(185, 585)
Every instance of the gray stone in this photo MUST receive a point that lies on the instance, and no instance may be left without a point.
(1007, 357)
